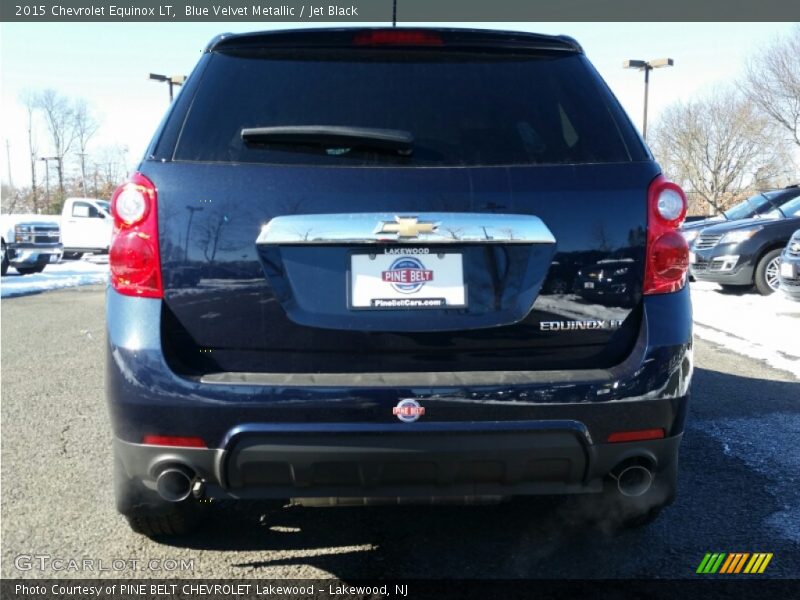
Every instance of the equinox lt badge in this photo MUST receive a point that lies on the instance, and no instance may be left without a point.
(574, 325)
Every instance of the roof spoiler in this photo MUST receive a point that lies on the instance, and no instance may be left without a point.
(467, 39)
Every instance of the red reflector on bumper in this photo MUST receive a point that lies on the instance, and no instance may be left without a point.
(174, 440)
(636, 436)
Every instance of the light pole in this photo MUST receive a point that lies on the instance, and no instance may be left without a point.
(47, 160)
(8, 158)
(647, 66)
(172, 80)
(83, 156)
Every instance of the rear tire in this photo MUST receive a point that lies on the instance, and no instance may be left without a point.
(559, 286)
(612, 512)
(147, 513)
(174, 524)
(767, 278)
(735, 289)
(4, 257)
(29, 270)
(631, 512)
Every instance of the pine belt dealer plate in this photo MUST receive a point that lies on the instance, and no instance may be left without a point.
(416, 279)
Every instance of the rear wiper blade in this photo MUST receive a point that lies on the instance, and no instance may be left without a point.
(329, 136)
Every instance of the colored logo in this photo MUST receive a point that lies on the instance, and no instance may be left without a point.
(734, 562)
(407, 275)
(408, 410)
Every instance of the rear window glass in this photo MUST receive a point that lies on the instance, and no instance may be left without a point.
(461, 108)
(753, 205)
(791, 209)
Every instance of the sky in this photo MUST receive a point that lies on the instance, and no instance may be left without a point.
(108, 65)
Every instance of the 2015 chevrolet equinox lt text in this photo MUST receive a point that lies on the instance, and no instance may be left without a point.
(329, 281)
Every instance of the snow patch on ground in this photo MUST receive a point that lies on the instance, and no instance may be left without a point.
(762, 327)
(68, 273)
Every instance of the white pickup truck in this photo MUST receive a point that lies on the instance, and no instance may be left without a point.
(29, 242)
(86, 226)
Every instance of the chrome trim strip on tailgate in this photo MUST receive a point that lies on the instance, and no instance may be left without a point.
(420, 228)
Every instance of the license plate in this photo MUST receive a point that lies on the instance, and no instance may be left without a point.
(54, 258)
(588, 285)
(692, 258)
(787, 270)
(414, 280)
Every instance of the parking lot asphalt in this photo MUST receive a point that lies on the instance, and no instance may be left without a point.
(739, 486)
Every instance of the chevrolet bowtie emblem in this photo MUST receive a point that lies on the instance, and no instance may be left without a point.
(406, 227)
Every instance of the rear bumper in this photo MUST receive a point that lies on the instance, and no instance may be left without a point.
(791, 291)
(710, 262)
(528, 458)
(743, 276)
(491, 433)
(33, 256)
(791, 285)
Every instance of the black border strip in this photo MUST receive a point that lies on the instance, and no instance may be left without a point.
(741, 587)
(356, 11)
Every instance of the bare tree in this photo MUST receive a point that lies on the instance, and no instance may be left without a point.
(601, 236)
(29, 101)
(85, 125)
(772, 82)
(108, 170)
(720, 144)
(10, 198)
(210, 235)
(59, 118)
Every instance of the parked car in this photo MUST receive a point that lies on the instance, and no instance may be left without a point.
(744, 253)
(86, 226)
(790, 267)
(612, 281)
(563, 272)
(367, 243)
(754, 206)
(28, 243)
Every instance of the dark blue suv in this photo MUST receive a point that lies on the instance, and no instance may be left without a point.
(328, 282)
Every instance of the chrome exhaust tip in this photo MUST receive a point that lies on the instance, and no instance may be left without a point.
(174, 483)
(633, 478)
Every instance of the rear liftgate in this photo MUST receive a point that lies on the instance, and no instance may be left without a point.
(406, 272)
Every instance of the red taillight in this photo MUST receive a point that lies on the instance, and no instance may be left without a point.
(174, 440)
(667, 252)
(133, 257)
(635, 436)
(397, 37)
